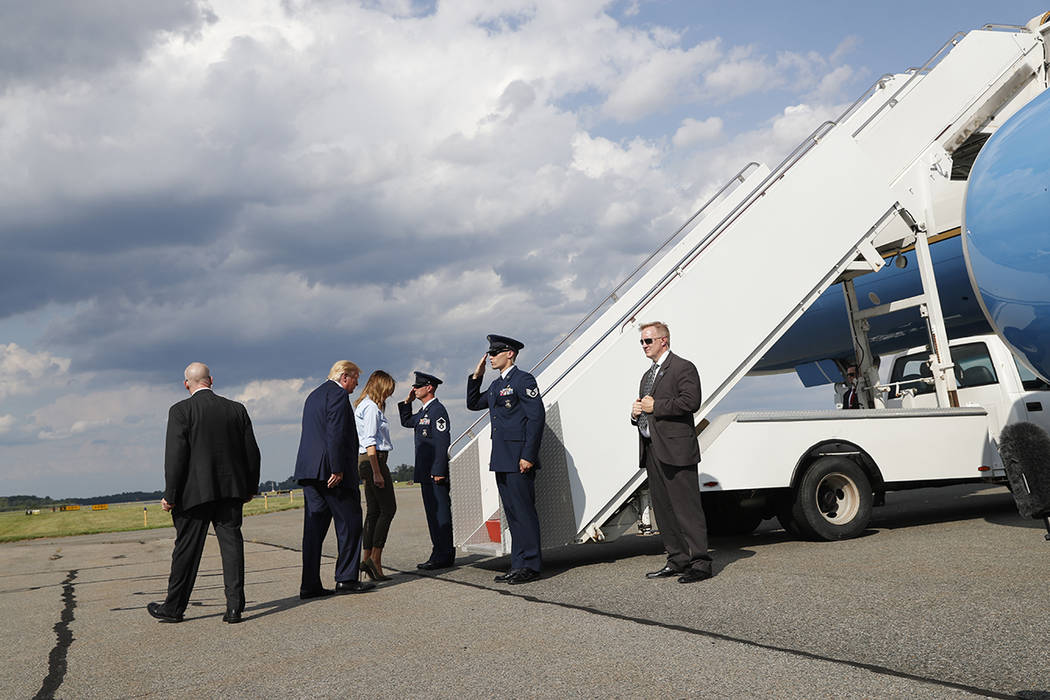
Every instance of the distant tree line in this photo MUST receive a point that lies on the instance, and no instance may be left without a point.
(402, 472)
(22, 502)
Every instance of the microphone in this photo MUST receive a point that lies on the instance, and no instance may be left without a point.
(1025, 451)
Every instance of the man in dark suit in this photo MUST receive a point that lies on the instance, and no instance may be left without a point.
(668, 396)
(326, 467)
(211, 468)
(517, 416)
(850, 397)
(432, 430)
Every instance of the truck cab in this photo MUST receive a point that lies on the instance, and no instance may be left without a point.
(987, 375)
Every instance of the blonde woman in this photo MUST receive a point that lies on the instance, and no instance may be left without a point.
(373, 431)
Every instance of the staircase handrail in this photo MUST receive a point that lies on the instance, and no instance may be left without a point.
(922, 70)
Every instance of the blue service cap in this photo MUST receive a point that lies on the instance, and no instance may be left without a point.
(499, 343)
(422, 379)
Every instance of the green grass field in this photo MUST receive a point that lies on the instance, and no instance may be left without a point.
(120, 517)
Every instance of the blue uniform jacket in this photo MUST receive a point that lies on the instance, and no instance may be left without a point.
(432, 429)
(329, 440)
(517, 415)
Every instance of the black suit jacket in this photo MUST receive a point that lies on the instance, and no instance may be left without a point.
(676, 397)
(210, 453)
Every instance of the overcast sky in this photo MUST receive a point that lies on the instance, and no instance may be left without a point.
(269, 186)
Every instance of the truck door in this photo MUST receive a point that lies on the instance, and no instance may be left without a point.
(975, 375)
(1036, 398)
(979, 382)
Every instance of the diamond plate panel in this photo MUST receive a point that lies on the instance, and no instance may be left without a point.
(465, 491)
(553, 491)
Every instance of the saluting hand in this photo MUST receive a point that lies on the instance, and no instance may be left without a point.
(480, 371)
(411, 396)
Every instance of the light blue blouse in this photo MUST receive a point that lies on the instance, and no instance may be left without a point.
(372, 427)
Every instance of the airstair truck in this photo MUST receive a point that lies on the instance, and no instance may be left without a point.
(865, 188)
(820, 472)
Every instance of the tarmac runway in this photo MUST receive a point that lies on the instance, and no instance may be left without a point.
(946, 596)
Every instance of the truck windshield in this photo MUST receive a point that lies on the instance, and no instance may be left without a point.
(1029, 380)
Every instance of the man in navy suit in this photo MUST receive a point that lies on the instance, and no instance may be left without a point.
(432, 430)
(517, 415)
(326, 467)
(211, 468)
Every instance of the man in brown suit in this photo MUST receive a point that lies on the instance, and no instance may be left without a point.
(668, 396)
(211, 468)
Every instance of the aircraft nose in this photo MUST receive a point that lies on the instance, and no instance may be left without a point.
(1006, 232)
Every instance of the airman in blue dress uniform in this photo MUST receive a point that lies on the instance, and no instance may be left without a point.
(517, 417)
(432, 431)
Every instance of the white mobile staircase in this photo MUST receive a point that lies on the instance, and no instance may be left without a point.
(740, 272)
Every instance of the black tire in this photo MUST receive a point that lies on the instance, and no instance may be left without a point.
(782, 509)
(833, 500)
(726, 516)
(788, 523)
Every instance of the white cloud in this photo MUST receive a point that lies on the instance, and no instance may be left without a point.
(598, 156)
(664, 77)
(104, 413)
(692, 132)
(7, 422)
(734, 78)
(848, 45)
(273, 400)
(831, 84)
(21, 369)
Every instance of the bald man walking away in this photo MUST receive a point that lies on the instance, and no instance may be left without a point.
(211, 468)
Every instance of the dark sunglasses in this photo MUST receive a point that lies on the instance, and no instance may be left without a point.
(649, 341)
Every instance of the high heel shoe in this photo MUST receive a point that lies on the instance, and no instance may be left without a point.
(370, 568)
(373, 572)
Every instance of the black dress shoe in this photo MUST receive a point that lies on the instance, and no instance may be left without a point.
(353, 586)
(507, 576)
(523, 576)
(693, 575)
(157, 610)
(315, 593)
(232, 616)
(665, 572)
(431, 565)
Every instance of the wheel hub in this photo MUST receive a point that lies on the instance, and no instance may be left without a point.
(838, 498)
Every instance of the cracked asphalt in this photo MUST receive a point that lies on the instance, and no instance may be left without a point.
(945, 596)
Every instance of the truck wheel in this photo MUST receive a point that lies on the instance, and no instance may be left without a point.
(790, 526)
(833, 500)
(726, 516)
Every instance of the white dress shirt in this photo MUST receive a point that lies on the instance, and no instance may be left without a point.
(373, 429)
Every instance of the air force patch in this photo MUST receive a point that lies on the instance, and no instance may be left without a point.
(533, 392)
(441, 425)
